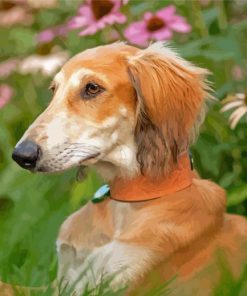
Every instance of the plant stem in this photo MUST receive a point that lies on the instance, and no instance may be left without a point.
(121, 35)
(199, 21)
(222, 18)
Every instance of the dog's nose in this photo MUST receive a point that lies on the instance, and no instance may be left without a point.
(26, 154)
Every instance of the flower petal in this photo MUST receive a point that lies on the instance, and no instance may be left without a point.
(231, 105)
(87, 19)
(7, 67)
(137, 33)
(6, 93)
(46, 36)
(47, 64)
(167, 13)
(240, 96)
(140, 40)
(120, 18)
(90, 30)
(85, 11)
(163, 34)
(117, 5)
(111, 19)
(147, 16)
(61, 30)
(180, 26)
(236, 116)
(135, 28)
(77, 22)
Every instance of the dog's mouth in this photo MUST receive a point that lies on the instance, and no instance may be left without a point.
(90, 159)
(51, 167)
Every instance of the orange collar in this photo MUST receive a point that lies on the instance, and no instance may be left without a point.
(143, 188)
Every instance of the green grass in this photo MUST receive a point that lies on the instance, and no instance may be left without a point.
(32, 207)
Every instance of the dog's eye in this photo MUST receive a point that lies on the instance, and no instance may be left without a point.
(91, 90)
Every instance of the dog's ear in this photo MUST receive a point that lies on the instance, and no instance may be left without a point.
(171, 94)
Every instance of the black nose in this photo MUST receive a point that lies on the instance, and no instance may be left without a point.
(26, 154)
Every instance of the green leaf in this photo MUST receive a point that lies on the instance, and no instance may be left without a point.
(210, 15)
(240, 26)
(23, 40)
(228, 45)
(237, 195)
(217, 55)
(81, 192)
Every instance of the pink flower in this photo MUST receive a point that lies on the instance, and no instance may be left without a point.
(49, 34)
(237, 72)
(94, 15)
(7, 67)
(6, 93)
(15, 12)
(158, 26)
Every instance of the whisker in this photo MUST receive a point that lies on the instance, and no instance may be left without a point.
(72, 153)
(78, 149)
(82, 145)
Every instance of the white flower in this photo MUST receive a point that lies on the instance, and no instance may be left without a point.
(15, 15)
(37, 4)
(47, 64)
(237, 102)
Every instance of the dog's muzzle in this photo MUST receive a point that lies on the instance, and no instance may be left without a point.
(26, 154)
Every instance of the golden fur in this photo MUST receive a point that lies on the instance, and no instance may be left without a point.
(149, 114)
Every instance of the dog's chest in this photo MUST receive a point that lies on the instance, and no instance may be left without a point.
(89, 243)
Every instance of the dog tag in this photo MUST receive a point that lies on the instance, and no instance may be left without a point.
(191, 161)
(101, 194)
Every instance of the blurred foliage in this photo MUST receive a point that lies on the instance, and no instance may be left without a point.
(33, 206)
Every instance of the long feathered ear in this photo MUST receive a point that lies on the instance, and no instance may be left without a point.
(171, 96)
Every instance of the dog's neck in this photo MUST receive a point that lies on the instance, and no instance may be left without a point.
(119, 162)
(121, 169)
(144, 187)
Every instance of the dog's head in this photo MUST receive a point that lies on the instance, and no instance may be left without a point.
(123, 109)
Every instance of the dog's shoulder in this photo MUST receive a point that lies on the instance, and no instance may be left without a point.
(177, 220)
(234, 232)
(88, 227)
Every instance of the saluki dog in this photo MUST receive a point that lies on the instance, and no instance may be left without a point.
(132, 114)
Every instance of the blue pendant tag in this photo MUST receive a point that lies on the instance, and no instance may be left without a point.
(101, 194)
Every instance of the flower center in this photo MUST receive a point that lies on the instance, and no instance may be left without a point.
(155, 23)
(44, 49)
(101, 8)
(6, 5)
(245, 98)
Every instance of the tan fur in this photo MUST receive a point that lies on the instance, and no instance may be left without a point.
(183, 231)
(150, 113)
(171, 123)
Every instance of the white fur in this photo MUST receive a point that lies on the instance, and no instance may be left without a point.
(78, 76)
(109, 122)
(164, 50)
(59, 78)
(123, 111)
(122, 262)
(55, 130)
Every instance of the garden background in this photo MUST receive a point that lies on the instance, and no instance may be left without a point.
(36, 39)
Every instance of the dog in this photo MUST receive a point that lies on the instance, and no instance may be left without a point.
(132, 114)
